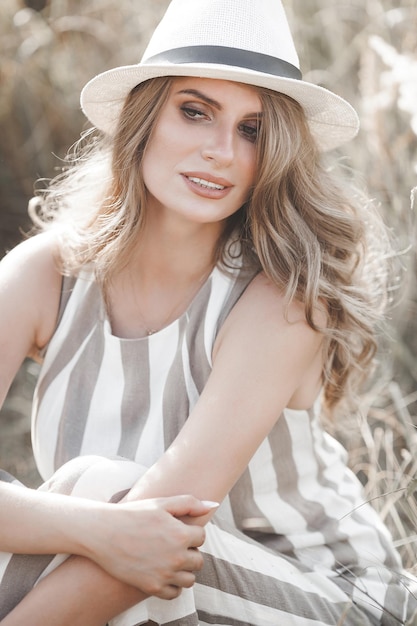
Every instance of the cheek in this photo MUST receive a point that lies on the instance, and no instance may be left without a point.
(169, 135)
(157, 158)
(148, 168)
(164, 154)
(251, 167)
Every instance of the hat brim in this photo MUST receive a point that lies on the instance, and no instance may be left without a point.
(332, 120)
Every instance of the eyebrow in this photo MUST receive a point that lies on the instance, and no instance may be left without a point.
(201, 96)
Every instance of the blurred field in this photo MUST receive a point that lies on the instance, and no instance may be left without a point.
(365, 50)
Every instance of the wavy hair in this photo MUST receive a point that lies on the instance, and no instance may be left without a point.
(320, 243)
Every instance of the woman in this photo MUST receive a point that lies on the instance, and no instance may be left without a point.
(217, 298)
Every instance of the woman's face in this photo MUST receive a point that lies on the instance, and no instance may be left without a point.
(200, 162)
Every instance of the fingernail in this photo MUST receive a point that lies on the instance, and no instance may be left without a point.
(210, 504)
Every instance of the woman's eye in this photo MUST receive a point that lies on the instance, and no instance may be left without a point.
(192, 113)
(250, 131)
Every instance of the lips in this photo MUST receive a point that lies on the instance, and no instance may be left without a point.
(207, 185)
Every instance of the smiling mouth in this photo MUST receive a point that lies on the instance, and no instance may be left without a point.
(205, 184)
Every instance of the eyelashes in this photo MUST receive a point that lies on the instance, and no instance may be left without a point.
(192, 113)
(248, 130)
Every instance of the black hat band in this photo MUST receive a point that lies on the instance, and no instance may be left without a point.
(223, 55)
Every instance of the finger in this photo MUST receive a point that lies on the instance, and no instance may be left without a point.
(196, 536)
(203, 507)
(193, 561)
(184, 579)
(169, 592)
(180, 506)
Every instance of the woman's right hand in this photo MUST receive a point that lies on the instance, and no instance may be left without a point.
(122, 553)
(145, 545)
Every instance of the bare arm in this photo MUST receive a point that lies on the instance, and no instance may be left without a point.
(261, 364)
(144, 544)
(35, 522)
(29, 299)
(38, 609)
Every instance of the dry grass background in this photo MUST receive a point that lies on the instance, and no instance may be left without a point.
(365, 50)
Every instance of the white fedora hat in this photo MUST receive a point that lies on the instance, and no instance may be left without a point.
(247, 41)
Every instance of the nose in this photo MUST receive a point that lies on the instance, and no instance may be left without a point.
(219, 146)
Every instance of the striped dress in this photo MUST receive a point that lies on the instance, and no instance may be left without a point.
(292, 544)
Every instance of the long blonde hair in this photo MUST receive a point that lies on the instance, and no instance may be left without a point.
(316, 242)
(321, 241)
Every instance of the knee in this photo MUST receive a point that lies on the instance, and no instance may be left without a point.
(94, 477)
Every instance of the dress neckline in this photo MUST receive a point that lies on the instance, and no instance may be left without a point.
(165, 329)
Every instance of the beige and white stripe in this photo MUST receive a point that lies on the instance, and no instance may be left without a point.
(292, 543)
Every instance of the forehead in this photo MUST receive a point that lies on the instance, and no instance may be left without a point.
(222, 91)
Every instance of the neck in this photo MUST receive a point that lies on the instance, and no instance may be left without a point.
(170, 252)
(165, 273)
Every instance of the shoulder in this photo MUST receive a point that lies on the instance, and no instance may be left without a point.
(264, 302)
(30, 281)
(273, 337)
(34, 262)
